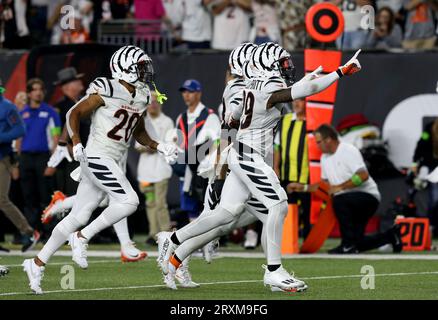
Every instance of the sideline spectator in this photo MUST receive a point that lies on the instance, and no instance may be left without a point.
(72, 87)
(387, 33)
(153, 172)
(266, 27)
(291, 15)
(20, 100)
(196, 23)
(12, 127)
(354, 37)
(17, 35)
(426, 155)
(38, 18)
(291, 162)
(419, 27)
(43, 127)
(152, 11)
(355, 194)
(231, 25)
(197, 127)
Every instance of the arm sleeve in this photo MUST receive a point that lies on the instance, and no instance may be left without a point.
(304, 88)
(56, 129)
(16, 126)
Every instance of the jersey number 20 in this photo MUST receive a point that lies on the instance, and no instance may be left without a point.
(248, 105)
(132, 122)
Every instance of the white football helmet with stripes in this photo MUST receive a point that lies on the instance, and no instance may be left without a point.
(133, 65)
(238, 57)
(270, 59)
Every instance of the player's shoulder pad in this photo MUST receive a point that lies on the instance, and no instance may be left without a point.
(274, 83)
(236, 84)
(101, 86)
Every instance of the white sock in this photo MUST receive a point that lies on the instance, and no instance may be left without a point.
(205, 223)
(122, 231)
(59, 235)
(112, 214)
(274, 232)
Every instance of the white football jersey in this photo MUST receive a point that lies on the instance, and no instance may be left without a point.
(113, 124)
(231, 99)
(257, 124)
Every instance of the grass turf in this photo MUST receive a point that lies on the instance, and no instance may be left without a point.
(108, 278)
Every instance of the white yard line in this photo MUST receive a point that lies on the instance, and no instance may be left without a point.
(220, 282)
(222, 254)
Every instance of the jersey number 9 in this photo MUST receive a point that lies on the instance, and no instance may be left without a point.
(248, 104)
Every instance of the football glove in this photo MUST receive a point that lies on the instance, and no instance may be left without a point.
(60, 153)
(79, 153)
(352, 66)
(169, 151)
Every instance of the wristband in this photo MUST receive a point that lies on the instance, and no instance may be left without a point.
(306, 188)
(357, 180)
(62, 143)
(339, 72)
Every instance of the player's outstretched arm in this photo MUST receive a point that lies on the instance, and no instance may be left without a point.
(312, 83)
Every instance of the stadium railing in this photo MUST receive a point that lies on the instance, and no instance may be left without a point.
(148, 34)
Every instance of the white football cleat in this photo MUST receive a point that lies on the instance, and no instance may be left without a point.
(165, 249)
(169, 278)
(183, 275)
(3, 271)
(79, 250)
(54, 208)
(209, 250)
(129, 253)
(35, 274)
(281, 280)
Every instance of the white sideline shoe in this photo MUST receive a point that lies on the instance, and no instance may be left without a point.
(3, 271)
(165, 249)
(129, 253)
(251, 239)
(35, 274)
(281, 280)
(184, 277)
(79, 250)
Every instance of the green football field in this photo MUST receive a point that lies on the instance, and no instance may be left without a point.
(405, 276)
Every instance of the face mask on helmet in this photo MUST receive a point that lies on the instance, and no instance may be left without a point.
(287, 69)
(145, 71)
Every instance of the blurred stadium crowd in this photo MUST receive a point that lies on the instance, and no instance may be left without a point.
(216, 24)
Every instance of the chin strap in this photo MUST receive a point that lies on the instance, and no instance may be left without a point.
(161, 97)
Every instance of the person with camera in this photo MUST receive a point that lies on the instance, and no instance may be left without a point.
(387, 34)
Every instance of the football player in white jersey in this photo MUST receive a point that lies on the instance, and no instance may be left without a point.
(232, 96)
(117, 107)
(61, 204)
(259, 114)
